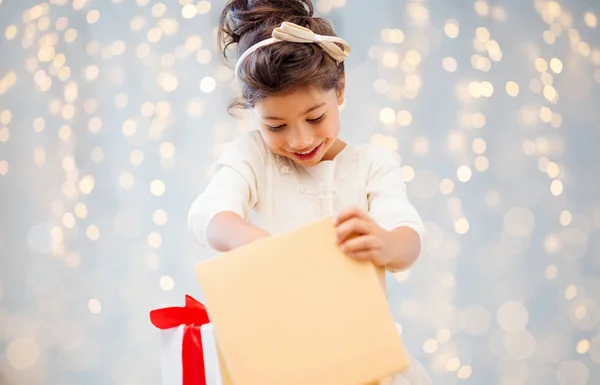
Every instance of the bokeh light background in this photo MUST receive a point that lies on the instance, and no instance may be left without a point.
(111, 113)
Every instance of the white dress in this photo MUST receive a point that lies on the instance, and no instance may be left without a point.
(277, 195)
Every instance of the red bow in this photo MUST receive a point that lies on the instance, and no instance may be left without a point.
(192, 315)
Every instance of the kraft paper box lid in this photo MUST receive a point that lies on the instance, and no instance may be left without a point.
(293, 309)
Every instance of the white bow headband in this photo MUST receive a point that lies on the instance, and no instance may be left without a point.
(294, 33)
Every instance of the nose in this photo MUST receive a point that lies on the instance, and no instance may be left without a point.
(300, 139)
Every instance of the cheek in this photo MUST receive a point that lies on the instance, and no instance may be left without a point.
(272, 140)
(330, 129)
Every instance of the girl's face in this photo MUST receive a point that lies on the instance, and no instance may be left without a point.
(302, 125)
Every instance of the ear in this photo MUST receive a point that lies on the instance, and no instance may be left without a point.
(341, 89)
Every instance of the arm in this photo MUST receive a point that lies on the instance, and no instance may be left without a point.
(219, 217)
(391, 209)
(228, 231)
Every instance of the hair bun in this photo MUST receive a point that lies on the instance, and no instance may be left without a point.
(242, 16)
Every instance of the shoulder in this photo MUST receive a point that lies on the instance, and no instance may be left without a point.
(374, 158)
(249, 147)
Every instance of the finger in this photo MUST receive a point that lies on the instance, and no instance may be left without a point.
(352, 228)
(361, 244)
(350, 212)
(365, 255)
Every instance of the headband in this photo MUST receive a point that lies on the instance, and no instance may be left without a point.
(296, 34)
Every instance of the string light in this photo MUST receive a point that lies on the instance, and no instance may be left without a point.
(114, 133)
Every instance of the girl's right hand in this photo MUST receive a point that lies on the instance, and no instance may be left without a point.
(228, 231)
(254, 233)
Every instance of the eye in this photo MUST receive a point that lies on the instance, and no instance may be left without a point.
(277, 128)
(317, 120)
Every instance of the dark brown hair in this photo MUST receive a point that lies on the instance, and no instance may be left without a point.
(281, 67)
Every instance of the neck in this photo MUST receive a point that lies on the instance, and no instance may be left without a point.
(335, 149)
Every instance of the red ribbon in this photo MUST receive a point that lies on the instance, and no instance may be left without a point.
(192, 315)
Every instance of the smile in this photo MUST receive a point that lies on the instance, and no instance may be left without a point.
(306, 155)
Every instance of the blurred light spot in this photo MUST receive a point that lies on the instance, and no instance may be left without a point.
(476, 320)
(159, 9)
(93, 16)
(583, 346)
(572, 372)
(157, 187)
(387, 115)
(92, 232)
(451, 28)
(519, 345)
(189, 11)
(464, 372)
(565, 218)
(404, 118)
(421, 146)
(86, 184)
(94, 306)
(22, 353)
(519, 222)
(121, 100)
(80, 210)
(3, 167)
(461, 226)
(492, 198)
(446, 186)
(541, 65)
(95, 124)
(512, 316)
(68, 220)
(551, 272)
(482, 163)
(449, 64)
(482, 34)
(204, 56)
(549, 37)
(590, 20)
(155, 240)
(552, 244)
(390, 59)
(430, 346)
(571, 292)
(166, 283)
(129, 127)
(512, 89)
(556, 187)
(443, 335)
(136, 157)
(453, 364)
(408, 173)
(464, 173)
(126, 181)
(482, 8)
(207, 85)
(160, 217)
(203, 7)
(10, 32)
(556, 65)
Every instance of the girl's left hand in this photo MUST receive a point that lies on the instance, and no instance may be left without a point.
(361, 238)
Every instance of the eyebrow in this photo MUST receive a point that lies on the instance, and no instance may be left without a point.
(305, 112)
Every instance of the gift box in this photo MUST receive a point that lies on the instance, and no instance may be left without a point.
(189, 355)
(292, 309)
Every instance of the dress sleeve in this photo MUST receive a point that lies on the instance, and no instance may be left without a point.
(387, 196)
(233, 186)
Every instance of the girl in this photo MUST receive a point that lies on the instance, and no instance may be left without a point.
(295, 169)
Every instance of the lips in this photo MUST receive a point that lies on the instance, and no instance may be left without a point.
(306, 155)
